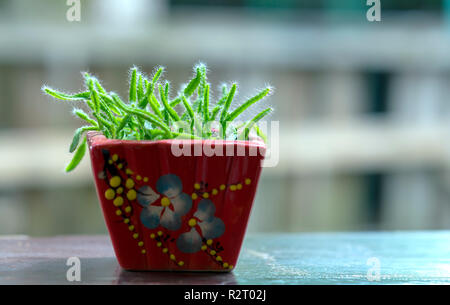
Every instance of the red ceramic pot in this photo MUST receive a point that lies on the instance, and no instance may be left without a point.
(169, 212)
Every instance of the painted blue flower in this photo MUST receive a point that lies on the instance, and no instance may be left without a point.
(210, 227)
(172, 206)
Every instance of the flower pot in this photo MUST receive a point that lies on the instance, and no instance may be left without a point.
(170, 212)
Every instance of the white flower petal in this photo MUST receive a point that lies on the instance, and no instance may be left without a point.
(212, 229)
(181, 204)
(189, 242)
(170, 220)
(150, 216)
(146, 195)
(169, 185)
(205, 210)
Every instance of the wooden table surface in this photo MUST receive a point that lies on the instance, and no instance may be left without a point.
(316, 258)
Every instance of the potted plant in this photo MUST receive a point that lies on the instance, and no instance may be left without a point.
(176, 186)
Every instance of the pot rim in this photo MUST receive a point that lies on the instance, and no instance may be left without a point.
(95, 138)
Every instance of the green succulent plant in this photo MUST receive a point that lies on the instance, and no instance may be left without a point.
(151, 114)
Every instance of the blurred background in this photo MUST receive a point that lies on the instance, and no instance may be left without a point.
(363, 106)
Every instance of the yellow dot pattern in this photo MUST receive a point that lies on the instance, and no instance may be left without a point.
(117, 189)
(127, 187)
(131, 195)
(129, 171)
(118, 201)
(115, 181)
(110, 194)
(192, 222)
(213, 253)
(164, 249)
(130, 183)
(215, 191)
(165, 202)
(117, 186)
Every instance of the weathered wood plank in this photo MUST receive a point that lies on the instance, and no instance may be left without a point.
(318, 258)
